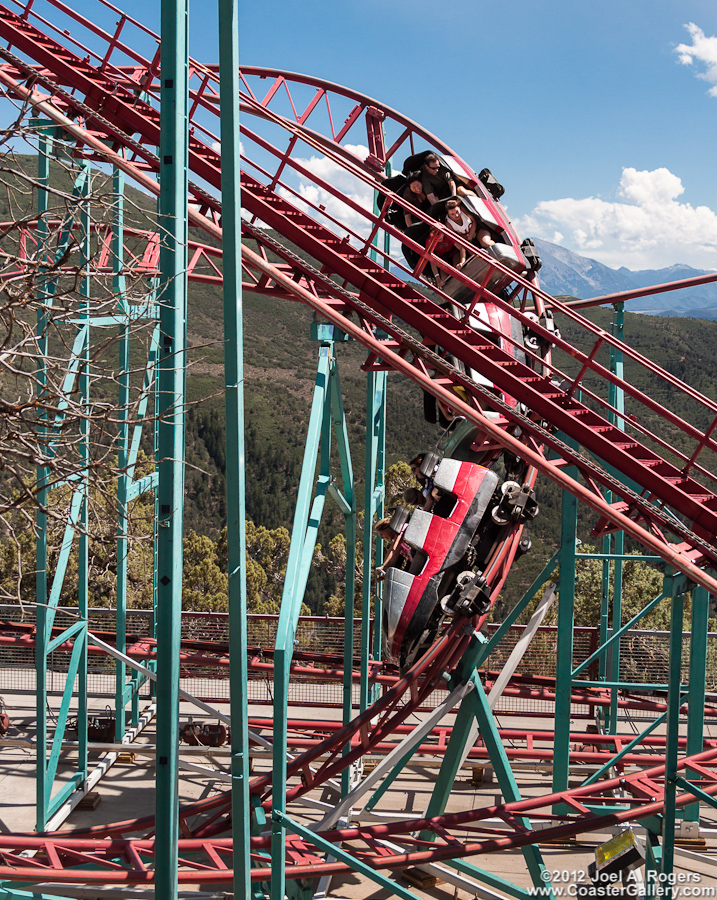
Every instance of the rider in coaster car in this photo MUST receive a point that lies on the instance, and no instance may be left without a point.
(450, 213)
(414, 193)
(463, 223)
(437, 180)
(425, 481)
(398, 554)
(420, 498)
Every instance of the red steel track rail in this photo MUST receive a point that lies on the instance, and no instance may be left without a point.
(390, 846)
(140, 251)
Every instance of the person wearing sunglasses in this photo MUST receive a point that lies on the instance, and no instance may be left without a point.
(437, 180)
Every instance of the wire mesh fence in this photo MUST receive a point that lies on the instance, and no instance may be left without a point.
(319, 648)
(206, 637)
(644, 655)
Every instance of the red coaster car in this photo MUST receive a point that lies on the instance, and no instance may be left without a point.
(443, 543)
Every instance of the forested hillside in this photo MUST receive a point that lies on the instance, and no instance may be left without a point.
(280, 364)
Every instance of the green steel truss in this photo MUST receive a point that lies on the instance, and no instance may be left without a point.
(54, 792)
(316, 483)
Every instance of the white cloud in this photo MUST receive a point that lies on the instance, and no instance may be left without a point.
(703, 50)
(349, 186)
(648, 227)
(217, 147)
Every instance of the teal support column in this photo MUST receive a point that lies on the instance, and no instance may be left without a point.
(616, 398)
(83, 550)
(697, 687)
(461, 733)
(172, 218)
(674, 700)
(75, 384)
(347, 504)
(376, 384)
(390, 887)
(349, 616)
(653, 864)
(614, 669)
(123, 479)
(604, 622)
(42, 788)
(303, 541)
(604, 648)
(235, 470)
(373, 501)
(326, 410)
(155, 531)
(475, 710)
(128, 446)
(506, 780)
(566, 619)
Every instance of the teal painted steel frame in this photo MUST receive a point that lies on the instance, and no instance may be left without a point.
(475, 708)
(76, 380)
(326, 409)
(375, 471)
(394, 889)
(697, 687)
(601, 652)
(674, 701)
(128, 443)
(494, 881)
(173, 226)
(613, 545)
(376, 385)
(235, 468)
(374, 491)
(43, 474)
(119, 288)
(564, 662)
(501, 764)
(47, 602)
(660, 857)
(347, 504)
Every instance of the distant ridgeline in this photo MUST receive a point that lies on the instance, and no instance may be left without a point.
(565, 273)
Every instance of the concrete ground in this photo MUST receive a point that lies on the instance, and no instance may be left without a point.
(127, 791)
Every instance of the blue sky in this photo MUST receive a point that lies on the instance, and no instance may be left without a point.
(600, 126)
(601, 130)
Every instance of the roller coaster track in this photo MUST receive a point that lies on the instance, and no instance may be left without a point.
(666, 498)
(213, 657)
(385, 846)
(140, 253)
